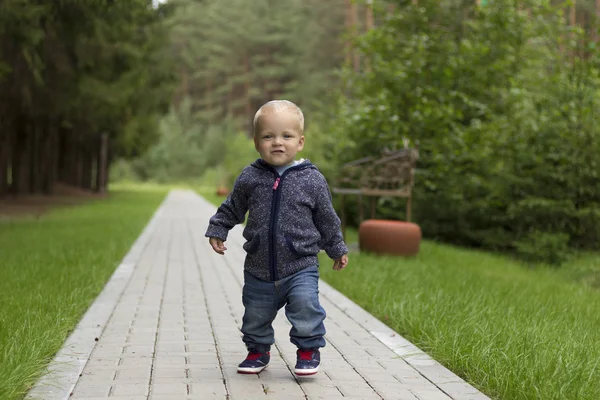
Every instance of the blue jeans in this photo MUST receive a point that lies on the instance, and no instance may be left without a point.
(299, 293)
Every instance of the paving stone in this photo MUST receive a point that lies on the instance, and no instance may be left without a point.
(239, 389)
(430, 394)
(395, 391)
(170, 347)
(135, 361)
(166, 388)
(109, 398)
(141, 373)
(282, 389)
(169, 373)
(322, 390)
(325, 397)
(343, 375)
(201, 374)
(95, 380)
(95, 374)
(97, 363)
(92, 390)
(350, 389)
(187, 397)
(130, 389)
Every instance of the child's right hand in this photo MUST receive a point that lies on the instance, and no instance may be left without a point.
(341, 263)
(217, 245)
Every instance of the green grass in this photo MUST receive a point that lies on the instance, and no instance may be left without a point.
(52, 270)
(513, 332)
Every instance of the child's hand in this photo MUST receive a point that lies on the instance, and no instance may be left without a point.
(217, 245)
(341, 263)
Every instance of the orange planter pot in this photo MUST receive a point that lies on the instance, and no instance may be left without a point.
(389, 237)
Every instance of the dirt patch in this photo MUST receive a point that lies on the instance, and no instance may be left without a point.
(35, 205)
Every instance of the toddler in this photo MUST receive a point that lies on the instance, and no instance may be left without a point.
(291, 218)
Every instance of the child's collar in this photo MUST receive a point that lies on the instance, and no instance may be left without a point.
(299, 164)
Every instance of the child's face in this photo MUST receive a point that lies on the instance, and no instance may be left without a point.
(279, 138)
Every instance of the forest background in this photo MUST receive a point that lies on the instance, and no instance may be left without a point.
(500, 96)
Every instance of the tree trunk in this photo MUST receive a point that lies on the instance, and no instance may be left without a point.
(74, 163)
(348, 7)
(368, 26)
(102, 164)
(5, 151)
(68, 164)
(69, 160)
(51, 166)
(86, 168)
(78, 166)
(38, 156)
(21, 162)
(64, 154)
(353, 24)
(109, 160)
(369, 15)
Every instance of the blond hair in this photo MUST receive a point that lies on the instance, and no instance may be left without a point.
(275, 106)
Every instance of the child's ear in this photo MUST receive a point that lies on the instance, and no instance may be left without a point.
(301, 143)
(255, 142)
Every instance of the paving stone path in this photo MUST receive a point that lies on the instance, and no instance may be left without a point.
(166, 327)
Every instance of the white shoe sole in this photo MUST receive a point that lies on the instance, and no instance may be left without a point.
(256, 370)
(304, 372)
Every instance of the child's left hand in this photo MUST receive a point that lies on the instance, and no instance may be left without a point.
(341, 263)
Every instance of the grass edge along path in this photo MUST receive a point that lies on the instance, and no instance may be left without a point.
(53, 269)
(513, 332)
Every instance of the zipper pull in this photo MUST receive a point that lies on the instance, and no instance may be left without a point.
(276, 184)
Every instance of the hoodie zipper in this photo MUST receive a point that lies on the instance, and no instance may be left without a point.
(274, 219)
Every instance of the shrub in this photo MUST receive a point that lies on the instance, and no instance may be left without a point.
(506, 124)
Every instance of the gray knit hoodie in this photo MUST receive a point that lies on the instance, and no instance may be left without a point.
(291, 219)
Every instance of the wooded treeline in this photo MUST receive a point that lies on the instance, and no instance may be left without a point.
(235, 55)
(81, 82)
(232, 56)
(502, 96)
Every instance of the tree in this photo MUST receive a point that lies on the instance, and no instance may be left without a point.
(73, 71)
(230, 68)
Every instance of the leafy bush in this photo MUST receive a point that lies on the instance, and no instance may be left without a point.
(552, 248)
(506, 123)
(123, 171)
(240, 153)
(185, 149)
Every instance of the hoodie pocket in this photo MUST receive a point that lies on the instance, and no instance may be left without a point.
(298, 249)
(252, 245)
(290, 244)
